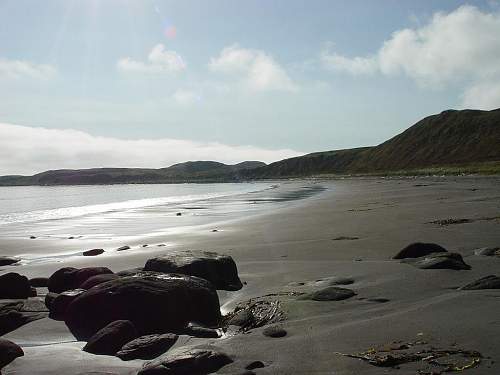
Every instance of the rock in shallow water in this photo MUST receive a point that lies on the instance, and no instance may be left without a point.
(8, 352)
(154, 304)
(69, 278)
(13, 285)
(419, 249)
(93, 252)
(219, 269)
(487, 282)
(487, 251)
(187, 362)
(330, 293)
(7, 261)
(110, 339)
(147, 347)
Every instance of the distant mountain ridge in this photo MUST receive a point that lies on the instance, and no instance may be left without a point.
(196, 171)
(451, 138)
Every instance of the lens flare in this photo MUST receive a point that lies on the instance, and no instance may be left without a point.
(170, 32)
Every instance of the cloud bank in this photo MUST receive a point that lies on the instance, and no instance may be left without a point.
(28, 150)
(257, 70)
(461, 47)
(25, 69)
(159, 60)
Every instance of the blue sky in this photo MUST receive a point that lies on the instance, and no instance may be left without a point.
(232, 79)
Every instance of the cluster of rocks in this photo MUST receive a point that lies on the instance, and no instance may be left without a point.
(431, 256)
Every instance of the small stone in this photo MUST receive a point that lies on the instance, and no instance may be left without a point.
(487, 282)
(147, 347)
(178, 214)
(330, 293)
(199, 331)
(487, 251)
(255, 364)
(32, 237)
(123, 248)
(93, 252)
(274, 331)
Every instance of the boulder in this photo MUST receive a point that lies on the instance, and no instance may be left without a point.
(220, 270)
(98, 279)
(274, 332)
(487, 251)
(452, 261)
(330, 293)
(419, 249)
(39, 282)
(8, 352)
(49, 299)
(195, 361)
(130, 272)
(59, 304)
(13, 285)
(69, 278)
(13, 316)
(7, 261)
(487, 282)
(147, 347)
(154, 304)
(242, 318)
(110, 339)
(93, 252)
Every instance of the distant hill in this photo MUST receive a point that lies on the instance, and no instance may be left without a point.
(192, 171)
(451, 138)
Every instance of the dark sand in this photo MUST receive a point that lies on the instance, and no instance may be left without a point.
(277, 251)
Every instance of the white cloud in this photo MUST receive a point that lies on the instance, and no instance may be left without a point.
(27, 150)
(160, 60)
(257, 70)
(459, 47)
(186, 97)
(25, 69)
(485, 95)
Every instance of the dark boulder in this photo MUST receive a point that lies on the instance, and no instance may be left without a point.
(98, 279)
(452, 261)
(59, 304)
(419, 249)
(220, 270)
(255, 364)
(154, 304)
(13, 316)
(330, 293)
(8, 352)
(69, 278)
(49, 299)
(147, 347)
(39, 282)
(110, 339)
(487, 282)
(93, 252)
(187, 362)
(274, 332)
(13, 285)
(7, 261)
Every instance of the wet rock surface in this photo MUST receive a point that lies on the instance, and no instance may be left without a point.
(14, 315)
(451, 261)
(7, 261)
(13, 285)
(58, 303)
(191, 361)
(487, 282)
(147, 347)
(330, 293)
(69, 278)
(219, 269)
(154, 304)
(419, 249)
(8, 352)
(111, 338)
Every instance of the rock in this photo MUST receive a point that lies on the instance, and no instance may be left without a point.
(274, 331)
(187, 362)
(335, 281)
(32, 237)
(487, 282)
(8, 352)
(123, 248)
(419, 249)
(7, 261)
(39, 282)
(59, 304)
(15, 286)
(98, 279)
(487, 251)
(49, 299)
(220, 270)
(130, 272)
(147, 347)
(345, 238)
(242, 318)
(378, 300)
(178, 214)
(69, 278)
(452, 261)
(12, 316)
(199, 331)
(110, 339)
(93, 252)
(154, 304)
(330, 293)
(33, 292)
(255, 364)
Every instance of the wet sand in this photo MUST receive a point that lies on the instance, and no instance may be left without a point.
(289, 250)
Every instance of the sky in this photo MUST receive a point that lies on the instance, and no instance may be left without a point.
(149, 83)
